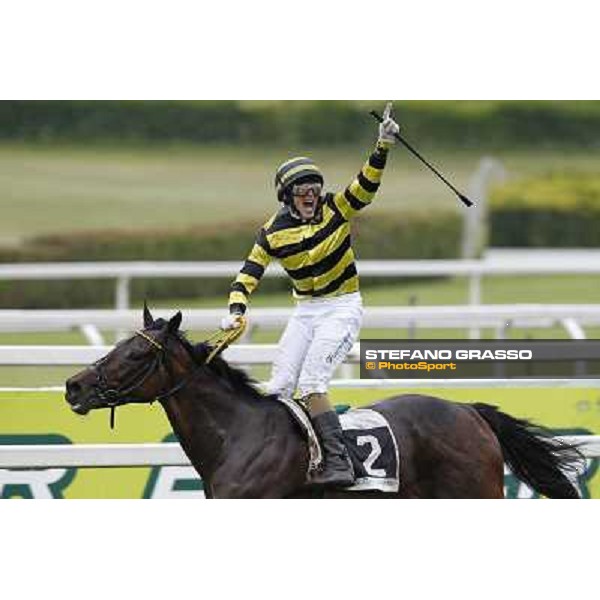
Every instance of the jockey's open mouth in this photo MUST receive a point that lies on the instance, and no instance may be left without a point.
(308, 206)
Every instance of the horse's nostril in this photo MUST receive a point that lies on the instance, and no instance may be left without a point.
(73, 387)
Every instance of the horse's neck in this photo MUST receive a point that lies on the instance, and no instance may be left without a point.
(208, 420)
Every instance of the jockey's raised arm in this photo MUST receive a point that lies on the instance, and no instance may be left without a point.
(310, 236)
(363, 188)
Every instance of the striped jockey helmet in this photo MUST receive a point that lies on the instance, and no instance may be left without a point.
(292, 171)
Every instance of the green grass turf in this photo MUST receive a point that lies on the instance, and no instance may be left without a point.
(48, 188)
(567, 289)
(56, 188)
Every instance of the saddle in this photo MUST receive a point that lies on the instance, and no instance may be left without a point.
(370, 441)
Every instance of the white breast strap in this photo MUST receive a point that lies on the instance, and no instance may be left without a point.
(315, 456)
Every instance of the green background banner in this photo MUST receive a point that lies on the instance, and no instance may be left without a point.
(29, 418)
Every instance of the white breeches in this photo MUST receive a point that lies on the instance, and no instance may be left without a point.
(318, 336)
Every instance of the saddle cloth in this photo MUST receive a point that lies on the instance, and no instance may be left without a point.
(370, 442)
(373, 449)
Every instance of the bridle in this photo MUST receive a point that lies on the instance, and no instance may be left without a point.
(114, 397)
(118, 396)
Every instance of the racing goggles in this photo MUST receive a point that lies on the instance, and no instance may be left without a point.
(303, 190)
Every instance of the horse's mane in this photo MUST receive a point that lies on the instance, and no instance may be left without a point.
(238, 379)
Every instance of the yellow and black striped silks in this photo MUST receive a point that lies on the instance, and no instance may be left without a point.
(317, 255)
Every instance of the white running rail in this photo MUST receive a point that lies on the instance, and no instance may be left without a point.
(406, 384)
(376, 317)
(519, 262)
(141, 455)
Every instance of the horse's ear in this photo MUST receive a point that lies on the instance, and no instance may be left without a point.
(175, 322)
(148, 318)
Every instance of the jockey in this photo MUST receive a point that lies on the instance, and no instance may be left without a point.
(310, 236)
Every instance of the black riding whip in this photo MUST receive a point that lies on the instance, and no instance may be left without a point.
(461, 197)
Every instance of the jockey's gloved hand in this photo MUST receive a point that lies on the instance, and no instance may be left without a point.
(387, 128)
(232, 321)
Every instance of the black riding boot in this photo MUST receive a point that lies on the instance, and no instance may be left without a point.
(338, 469)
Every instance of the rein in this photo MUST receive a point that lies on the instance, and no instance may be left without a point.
(114, 397)
(222, 339)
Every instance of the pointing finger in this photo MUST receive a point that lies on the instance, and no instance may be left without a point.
(387, 111)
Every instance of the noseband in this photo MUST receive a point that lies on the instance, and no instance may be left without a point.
(118, 396)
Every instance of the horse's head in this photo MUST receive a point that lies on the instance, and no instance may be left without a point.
(139, 369)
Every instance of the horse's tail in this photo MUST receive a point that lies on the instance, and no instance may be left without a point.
(533, 454)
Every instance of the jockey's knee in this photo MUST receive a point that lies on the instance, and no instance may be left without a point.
(318, 403)
(280, 387)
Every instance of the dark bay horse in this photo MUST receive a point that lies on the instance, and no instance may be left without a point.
(246, 445)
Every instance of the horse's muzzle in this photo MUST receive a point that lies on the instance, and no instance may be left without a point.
(79, 398)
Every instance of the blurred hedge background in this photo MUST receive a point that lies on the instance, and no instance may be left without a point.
(557, 210)
(414, 235)
(468, 124)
